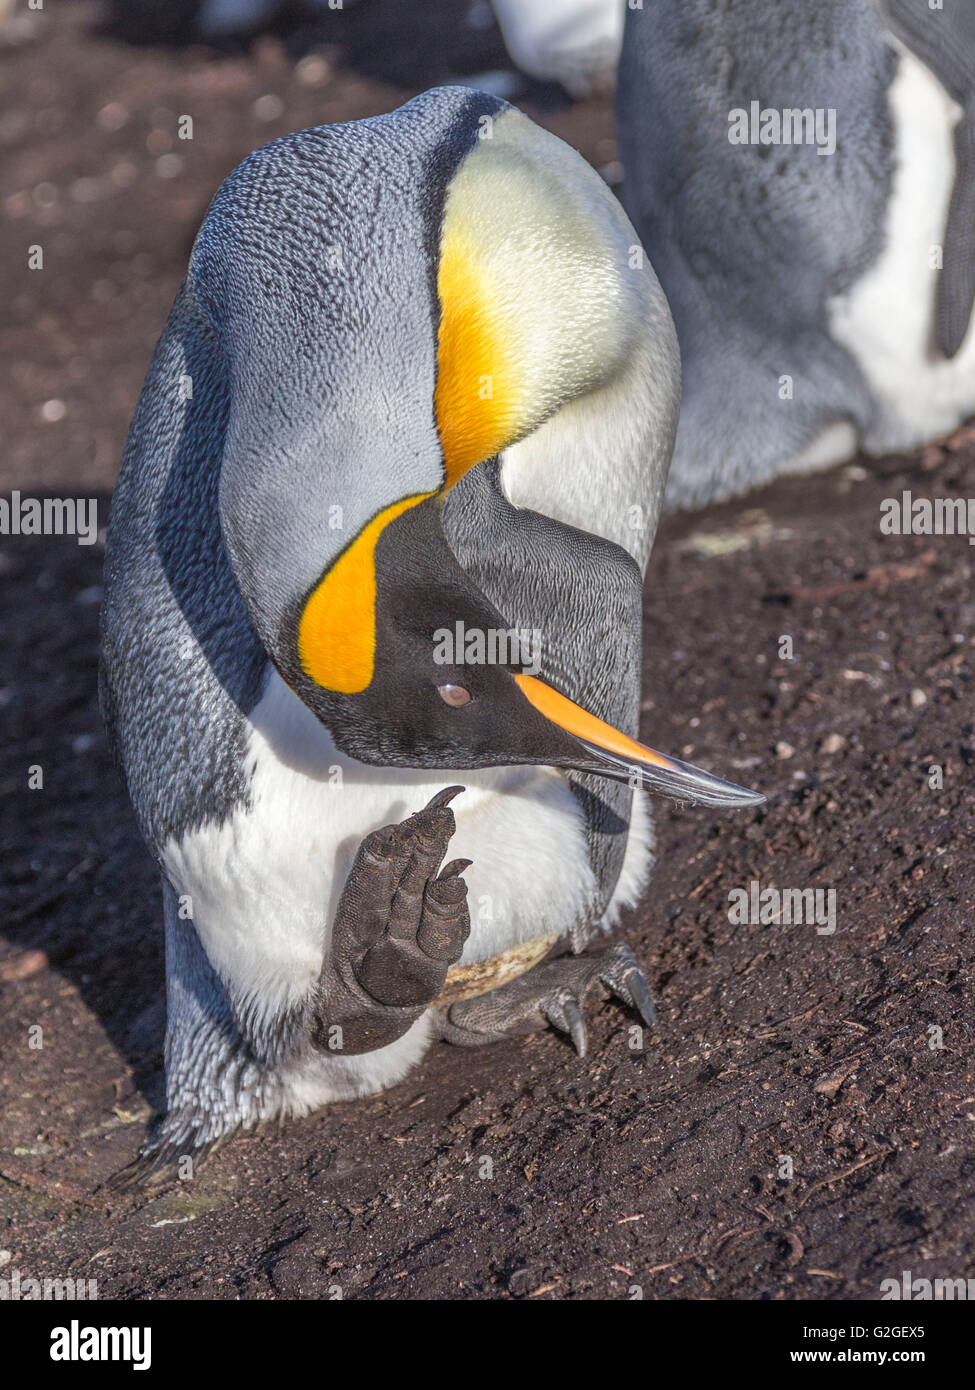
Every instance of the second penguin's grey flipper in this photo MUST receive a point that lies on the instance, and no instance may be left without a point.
(944, 40)
(956, 288)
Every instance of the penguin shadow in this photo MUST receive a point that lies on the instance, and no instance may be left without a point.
(408, 46)
(80, 891)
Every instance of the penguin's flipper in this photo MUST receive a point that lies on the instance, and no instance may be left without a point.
(944, 40)
(551, 995)
(956, 285)
(401, 923)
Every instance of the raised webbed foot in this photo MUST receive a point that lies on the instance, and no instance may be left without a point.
(401, 923)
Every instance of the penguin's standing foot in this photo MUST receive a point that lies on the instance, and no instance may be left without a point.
(401, 923)
(553, 995)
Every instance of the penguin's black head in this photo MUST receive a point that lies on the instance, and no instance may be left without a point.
(437, 678)
(396, 302)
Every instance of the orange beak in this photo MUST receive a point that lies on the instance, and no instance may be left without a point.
(616, 755)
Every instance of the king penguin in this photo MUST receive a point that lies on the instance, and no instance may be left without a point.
(416, 389)
(803, 179)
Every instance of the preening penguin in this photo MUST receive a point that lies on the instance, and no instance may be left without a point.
(803, 179)
(416, 384)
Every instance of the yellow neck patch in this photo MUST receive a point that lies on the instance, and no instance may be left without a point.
(477, 396)
(337, 629)
(482, 399)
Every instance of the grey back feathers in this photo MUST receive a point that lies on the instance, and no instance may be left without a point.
(180, 659)
(319, 260)
(296, 370)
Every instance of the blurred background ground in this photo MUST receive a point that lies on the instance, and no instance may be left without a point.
(656, 1168)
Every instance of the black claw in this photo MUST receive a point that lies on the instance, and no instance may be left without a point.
(577, 1025)
(454, 868)
(443, 798)
(563, 1012)
(640, 994)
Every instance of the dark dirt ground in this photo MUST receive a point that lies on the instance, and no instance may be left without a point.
(655, 1168)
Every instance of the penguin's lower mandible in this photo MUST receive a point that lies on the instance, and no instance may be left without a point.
(372, 619)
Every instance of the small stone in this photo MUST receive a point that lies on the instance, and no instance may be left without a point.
(124, 173)
(112, 117)
(268, 107)
(918, 698)
(159, 141)
(784, 750)
(85, 190)
(313, 70)
(833, 743)
(22, 966)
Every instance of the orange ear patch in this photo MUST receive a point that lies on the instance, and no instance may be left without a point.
(337, 629)
(478, 392)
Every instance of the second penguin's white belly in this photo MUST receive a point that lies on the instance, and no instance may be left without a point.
(886, 320)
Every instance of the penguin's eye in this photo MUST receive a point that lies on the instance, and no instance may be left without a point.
(454, 695)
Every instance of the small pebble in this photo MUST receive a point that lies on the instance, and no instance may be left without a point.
(124, 173)
(833, 743)
(168, 166)
(268, 107)
(918, 698)
(313, 70)
(784, 750)
(159, 141)
(85, 190)
(112, 117)
(22, 966)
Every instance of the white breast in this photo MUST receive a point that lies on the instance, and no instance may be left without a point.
(887, 320)
(265, 884)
